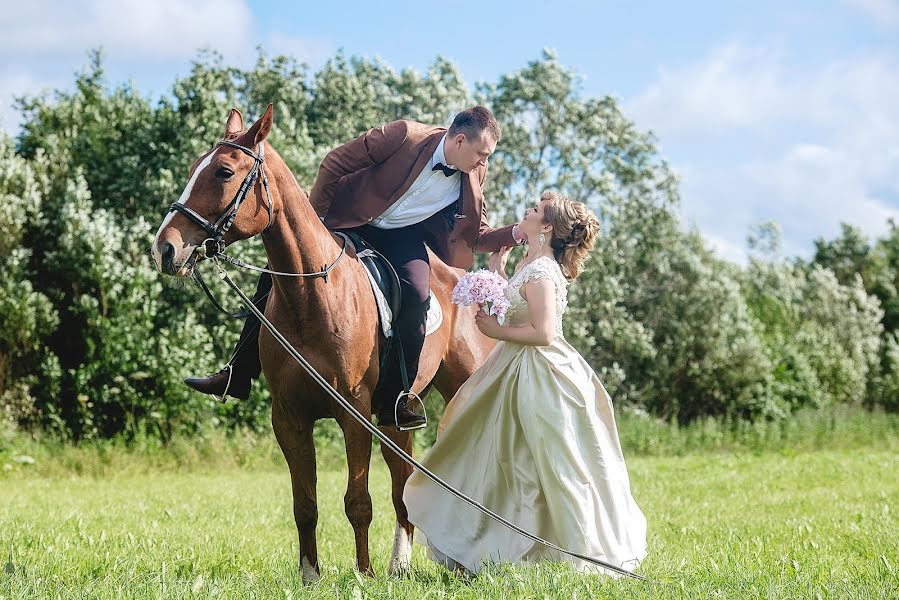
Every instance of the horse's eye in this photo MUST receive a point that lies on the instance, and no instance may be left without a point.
(224, 173)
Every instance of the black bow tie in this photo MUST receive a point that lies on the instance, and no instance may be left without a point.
(446, 170)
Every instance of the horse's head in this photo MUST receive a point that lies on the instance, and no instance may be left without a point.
(224, 200)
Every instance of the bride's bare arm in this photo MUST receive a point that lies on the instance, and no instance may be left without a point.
(541, 331)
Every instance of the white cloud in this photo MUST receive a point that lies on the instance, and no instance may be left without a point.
(809, 190)
(313, 51)
(127, 29)
(15, 81)
(45, 42)
(807, 147)
(884, 12)
(734, 87)
(726, 248)
(150, 42)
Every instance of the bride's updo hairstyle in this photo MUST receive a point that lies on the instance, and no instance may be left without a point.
(575, 229)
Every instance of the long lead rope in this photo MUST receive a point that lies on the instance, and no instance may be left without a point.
(393, 446)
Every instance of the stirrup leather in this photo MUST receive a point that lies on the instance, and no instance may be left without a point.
(224, 397)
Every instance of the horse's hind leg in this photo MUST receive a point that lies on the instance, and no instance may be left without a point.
(296, 443)
(400, 470)
(357, 501)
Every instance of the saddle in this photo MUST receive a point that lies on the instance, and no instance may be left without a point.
(385, 285)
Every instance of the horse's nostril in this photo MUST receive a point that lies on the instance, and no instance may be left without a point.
(167, 252)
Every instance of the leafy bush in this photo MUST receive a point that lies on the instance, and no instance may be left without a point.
(94, 342)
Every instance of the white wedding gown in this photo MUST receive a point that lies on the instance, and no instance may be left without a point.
(531, 435)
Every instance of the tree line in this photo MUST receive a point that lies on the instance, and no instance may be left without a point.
(94, 342)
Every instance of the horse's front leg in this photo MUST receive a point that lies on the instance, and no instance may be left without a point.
(295, 439)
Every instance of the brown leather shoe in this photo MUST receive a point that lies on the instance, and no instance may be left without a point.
(405, 419)
(220, 384)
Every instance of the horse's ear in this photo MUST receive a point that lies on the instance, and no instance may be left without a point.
(234, 124)
(260, 129)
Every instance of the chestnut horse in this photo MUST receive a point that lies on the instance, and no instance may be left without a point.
(332, 322)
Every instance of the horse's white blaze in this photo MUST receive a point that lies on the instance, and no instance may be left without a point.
(309, 573)
(157, 255)
(401, 559)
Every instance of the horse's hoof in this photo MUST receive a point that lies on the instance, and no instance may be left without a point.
(309, 572)
(401, 558)
(399, 568)
(368, 572)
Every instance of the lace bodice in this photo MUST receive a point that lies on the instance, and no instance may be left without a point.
(542, 268)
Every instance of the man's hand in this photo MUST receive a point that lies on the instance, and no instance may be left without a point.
(518, 235)
(497, 261)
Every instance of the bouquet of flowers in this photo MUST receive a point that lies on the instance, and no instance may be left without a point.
(482, 287)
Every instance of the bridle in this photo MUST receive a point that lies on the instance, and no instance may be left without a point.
(213, 247)
(217, 230)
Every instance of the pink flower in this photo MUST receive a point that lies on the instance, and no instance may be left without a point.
(482, 287)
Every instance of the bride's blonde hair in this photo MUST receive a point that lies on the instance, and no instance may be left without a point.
(575, 229)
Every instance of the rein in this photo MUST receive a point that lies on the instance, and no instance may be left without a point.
(217, 232)
(386, 441)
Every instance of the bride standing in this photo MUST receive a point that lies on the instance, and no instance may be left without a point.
(532, 434)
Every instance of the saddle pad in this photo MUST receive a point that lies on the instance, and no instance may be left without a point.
(432, 322)
(435, 316)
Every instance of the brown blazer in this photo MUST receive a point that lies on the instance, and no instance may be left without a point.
(361, 179)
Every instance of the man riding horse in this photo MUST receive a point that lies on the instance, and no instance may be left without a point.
(400, 187)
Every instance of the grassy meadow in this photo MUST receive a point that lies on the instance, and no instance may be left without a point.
(816, 518)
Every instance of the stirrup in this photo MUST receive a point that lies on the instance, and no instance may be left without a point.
(396, 406)
(224, 397)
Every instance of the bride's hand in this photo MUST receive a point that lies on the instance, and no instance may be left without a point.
(488, 324)
(497, 260)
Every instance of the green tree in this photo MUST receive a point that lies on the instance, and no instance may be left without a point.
(27, 316)
(93, 342)
(656, 314)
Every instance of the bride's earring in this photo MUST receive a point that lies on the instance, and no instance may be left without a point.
(541, 240)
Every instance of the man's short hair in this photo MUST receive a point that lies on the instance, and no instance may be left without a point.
(474, 121)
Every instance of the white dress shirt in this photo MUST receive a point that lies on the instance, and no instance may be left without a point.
(429, 193)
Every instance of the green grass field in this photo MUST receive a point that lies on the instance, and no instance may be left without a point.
(783, 524)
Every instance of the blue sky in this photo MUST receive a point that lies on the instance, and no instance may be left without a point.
(767, 110)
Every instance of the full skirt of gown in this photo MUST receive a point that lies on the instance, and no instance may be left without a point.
(532, 436)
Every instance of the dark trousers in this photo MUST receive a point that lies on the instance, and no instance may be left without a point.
(405, 249)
